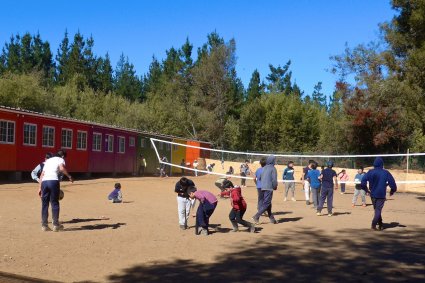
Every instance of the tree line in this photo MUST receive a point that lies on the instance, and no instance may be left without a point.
(200, 96)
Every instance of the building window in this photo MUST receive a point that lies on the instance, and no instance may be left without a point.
(48, 139)
(82, 140)
(174, 147)
(30, 133)
(97, 142)
(131, 141)
(66, 138)
(168, 147)
(7, 131)
(121, 144)
(142, 143)
(109, 143)
(161, 146)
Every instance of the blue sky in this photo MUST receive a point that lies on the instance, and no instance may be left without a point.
(305, 32)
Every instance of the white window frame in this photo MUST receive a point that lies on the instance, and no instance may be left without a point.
(72, 135)
(7, 131)
(78, 139)
(131, 141)
(35, 135)
(108, 144)
(121, 138)
(42, 136)
(100, 142)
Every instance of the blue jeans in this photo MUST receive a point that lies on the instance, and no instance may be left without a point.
(203, 214)
(343, 188)
(50, 194)
(316, 197)
(378, 205)
(266, 204)
(328, 195)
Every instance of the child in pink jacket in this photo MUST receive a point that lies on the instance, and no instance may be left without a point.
(343, 177)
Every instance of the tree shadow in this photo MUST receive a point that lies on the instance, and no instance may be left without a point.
(80, 220)
(96, 227)
(315, 256)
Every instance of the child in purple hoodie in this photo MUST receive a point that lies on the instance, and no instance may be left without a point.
(207, 205)
(116, 196)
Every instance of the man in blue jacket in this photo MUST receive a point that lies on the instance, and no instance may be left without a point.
(378, 179)
(268, 180)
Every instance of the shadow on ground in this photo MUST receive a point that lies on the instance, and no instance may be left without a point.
(96, 227)
(305, 255)
(80, 220)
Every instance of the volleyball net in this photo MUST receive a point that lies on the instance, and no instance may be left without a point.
(192, 160)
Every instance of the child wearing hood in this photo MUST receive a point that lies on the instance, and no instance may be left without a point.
(238, 210)
(378, 179)
(268, 180)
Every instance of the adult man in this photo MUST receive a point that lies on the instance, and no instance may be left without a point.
(50, 189)
(36, 173)
(328, 177)
(184, 204)
(142, 165)
(268, 180)
(378, 179)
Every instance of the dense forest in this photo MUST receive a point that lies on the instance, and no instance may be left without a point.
(377, 105)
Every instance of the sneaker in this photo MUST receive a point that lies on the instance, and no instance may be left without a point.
(252, 228)
(256, 220)
(293, 199)
(342, 193)
(284, 199)
(45, 228)
(319, 214)
(380, 226)
(183, 227)
(203, 232)
(57, 228)
(364, 205)
(273, 221)
(353, 205)
(374, 228)
(307, 202)
(330, 214)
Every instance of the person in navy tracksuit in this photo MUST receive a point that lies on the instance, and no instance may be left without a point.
(378, 179)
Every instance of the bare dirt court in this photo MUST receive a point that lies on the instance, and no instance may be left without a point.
(140, 241)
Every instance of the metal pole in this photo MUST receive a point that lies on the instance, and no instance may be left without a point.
(407, 163)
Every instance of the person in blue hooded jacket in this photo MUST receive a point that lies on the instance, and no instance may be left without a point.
(378, 179)
(268, 180)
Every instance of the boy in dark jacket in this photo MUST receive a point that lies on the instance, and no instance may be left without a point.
(184, 204)
(378, 179)
(268, 180)
(238, 210)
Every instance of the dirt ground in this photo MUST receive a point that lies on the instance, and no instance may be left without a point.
(140, 240)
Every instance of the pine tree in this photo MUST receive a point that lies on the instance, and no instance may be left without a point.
(318, 96)
(62, 58)
(13, 55)
(105, 75)
(280, 79)
(127, 84)
(255, 87)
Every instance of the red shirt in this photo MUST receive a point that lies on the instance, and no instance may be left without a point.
(238, 202)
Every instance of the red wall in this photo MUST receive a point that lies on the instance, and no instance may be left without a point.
(8, 151)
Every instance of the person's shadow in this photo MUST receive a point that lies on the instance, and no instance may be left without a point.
(96, 227)
(290, 219)
(393, 225)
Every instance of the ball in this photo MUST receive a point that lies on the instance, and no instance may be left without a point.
(61, 195)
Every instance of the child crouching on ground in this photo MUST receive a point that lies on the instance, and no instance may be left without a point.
(116, 195)
(238, 210)
(207, 205)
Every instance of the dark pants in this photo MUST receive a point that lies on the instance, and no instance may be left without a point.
(328, 195)
(260, 202)
(343, 188)
(316, 197)
(203, 214)
(378, 205)
(243, 180)
(50, 194)
(237, 216)
(266, 204)
(142, 170)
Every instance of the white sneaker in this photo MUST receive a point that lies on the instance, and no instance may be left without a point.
(57, 228)
(293, 199)
(284, 199)
(330, 214)
(45, 228)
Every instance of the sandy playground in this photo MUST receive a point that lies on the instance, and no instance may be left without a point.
(140, 241)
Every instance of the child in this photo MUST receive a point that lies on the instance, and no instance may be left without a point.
(231, 171)
(288, 175)
(195, 166)
(238, 210)
(257, 181)
(343, 177)
(116, 196)
(224, 184)
(329, 178)
(305, 181)
(207, 205)
(315, 184)
(358, 188)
